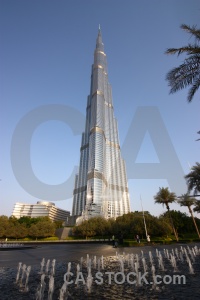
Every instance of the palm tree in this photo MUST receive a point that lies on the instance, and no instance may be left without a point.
(197, 207)
(193, 179)
(187, 74)
(186, 200)
(164, 197)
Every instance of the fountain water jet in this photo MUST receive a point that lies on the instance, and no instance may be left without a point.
(42, 266)
(144, 264)
(153, 262)
(41, 289)
(23, 274)
(53, 267)
(47, 267)
(95, 262)
(28, 270)
(89, 280)
(63, 292)
(51, 288)
(18, 271)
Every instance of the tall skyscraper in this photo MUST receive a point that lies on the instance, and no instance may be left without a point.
(101, 185)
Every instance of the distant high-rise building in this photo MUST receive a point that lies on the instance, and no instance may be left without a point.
(101, 185)
(41, 209)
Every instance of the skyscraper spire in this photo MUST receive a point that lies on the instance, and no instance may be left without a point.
(99, 43)
(101, 184)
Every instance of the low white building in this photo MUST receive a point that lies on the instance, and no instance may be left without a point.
(41, 209)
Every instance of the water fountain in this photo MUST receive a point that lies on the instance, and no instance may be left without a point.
(102, 262)
(42, 264)
(144, 264)
(47, 267)
(41, 288)
(173, 262)
(160, 262)
(46, 280)
(89, 280)
(63, 292)
(121, 265)
(51, 287)
(28, 270)
(78, 269)
(99, 264)
(53, 267)
(18, 271)
(95, 262)
(81, 263)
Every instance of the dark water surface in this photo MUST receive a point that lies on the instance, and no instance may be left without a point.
(114, 287)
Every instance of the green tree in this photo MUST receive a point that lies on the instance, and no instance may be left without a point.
(3, 226)
(165, 197)
(11, 227)
(58, 224)
(10, 231)
(188, 73)
(27, 221)
(33, 231)
(133, 223)
(182, 222)
(20, 231)
(163, 227)
(100, 225)
(110, 226)
(94, 226)
(186, 200)
(85, 229)
(44, 228)
(13, 220)
(157, 227)
(129, 224)
(193, 179)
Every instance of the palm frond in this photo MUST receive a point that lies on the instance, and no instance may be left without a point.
(184, 75)
(164, 196)
(195, 32)
(186, 200)
(189, 49)
(197, 207)
(179, 78)
(193, 89)
(193, 179)
(187, 73)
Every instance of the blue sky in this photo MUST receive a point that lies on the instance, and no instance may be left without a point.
(46, 57)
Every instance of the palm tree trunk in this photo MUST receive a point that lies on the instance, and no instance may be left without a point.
(172, 223)
(195, 224)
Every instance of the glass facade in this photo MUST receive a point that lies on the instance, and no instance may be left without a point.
(101, 184)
